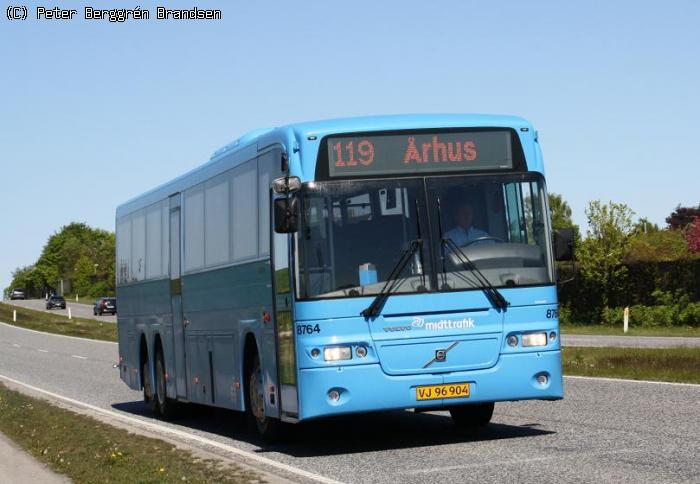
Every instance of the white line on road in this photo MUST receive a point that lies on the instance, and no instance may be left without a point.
(181, 434)
(16, 345)
(42, 351)
(510, 462)
(79, 357)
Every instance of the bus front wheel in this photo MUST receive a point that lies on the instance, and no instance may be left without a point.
(268, 428)
(473, 415)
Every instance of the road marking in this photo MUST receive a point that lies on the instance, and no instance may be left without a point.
(79, 357)
(59, 335)
(181, 434)
(16, 345)
(42, 351)
(627, 380)
(508, 462)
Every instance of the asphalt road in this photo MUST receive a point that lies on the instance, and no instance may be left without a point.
(603, 430)
(78, 310)
(629, 341)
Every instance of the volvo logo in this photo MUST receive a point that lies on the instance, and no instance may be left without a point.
(441, 355)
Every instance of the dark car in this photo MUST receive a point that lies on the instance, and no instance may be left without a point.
(56, 302)
(17, 293)
(105, 305)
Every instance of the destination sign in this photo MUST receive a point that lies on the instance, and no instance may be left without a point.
(418, 152)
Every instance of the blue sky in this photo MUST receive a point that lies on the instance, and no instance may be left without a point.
(93, 113)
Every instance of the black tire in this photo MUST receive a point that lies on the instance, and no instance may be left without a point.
(270, 429)
(148, 395)
(472, 416)
(166, 408)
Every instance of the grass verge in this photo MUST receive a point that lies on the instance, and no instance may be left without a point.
(680, 365)
(616, 331)
(89, 451)
(54, 323)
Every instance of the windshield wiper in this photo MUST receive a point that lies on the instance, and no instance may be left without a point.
(392, 281)
(416, 246)
(493, 294)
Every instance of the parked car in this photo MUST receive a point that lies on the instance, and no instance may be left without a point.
(17, 293)
(105, 305)
(56, 302)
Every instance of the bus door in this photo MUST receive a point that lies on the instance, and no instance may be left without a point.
(178, 346)
(284, 321)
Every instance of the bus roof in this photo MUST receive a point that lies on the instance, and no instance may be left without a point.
(298, 135)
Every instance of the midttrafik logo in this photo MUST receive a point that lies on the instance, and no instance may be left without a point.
(421, 323)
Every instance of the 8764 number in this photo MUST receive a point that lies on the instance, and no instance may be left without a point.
(552, 313)
(308, 328)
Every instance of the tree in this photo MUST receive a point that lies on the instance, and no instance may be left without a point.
(73, 253)
(693, 235)
(602, 252)
(659, 246)
(681, 217)
(561, 212)
(83, 275)
(644, 226)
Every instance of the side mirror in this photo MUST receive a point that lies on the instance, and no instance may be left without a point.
(285, 212)
(564, 245)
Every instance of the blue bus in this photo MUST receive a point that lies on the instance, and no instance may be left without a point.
(343, 266)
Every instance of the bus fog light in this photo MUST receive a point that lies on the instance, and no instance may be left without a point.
(361, 351)
(334, 395)
(535, 339)
(336, 353)
(552, 336)
(315, 352)
(542, 379)
(512, 340)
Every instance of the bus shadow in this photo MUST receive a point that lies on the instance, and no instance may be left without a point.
(345, 434)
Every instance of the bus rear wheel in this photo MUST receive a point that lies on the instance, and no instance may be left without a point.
(473, 415)
(148, 394)
(166, 408)
(268, 428)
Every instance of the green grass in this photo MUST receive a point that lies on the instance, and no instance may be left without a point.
(659, 364)
(54, 323)
(611, 330)
(89, 451)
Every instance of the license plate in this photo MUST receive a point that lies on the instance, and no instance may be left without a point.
(438, 392)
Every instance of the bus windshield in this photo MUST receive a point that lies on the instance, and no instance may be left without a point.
(353, 233)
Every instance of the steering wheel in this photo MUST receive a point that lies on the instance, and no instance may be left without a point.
(485, 237)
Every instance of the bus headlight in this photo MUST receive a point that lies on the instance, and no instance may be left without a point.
(337, 353)
(535, 339)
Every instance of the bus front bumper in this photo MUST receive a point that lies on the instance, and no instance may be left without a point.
(366, 388)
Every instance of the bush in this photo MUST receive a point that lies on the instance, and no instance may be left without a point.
(667, 309)
(654, 316)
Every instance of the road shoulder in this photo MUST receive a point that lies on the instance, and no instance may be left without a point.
(18, 466)
(154, 430)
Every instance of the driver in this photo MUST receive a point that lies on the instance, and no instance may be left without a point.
(464, 232)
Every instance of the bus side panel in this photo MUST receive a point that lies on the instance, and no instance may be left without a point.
(222, 306)
(144, 308)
